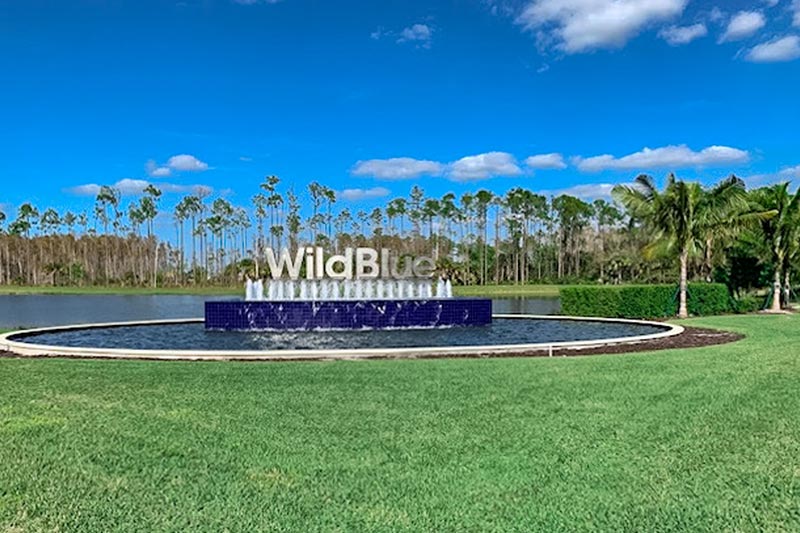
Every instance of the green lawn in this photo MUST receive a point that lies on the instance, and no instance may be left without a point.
(510, 291)
(700, 440)
(43, 289)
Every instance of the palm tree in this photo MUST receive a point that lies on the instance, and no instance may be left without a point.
(431, 209)
(682, 216)
(193, 206)
(780, 231)
(465, 217)
(415, 209)
(317, 193)
(483, 199)
(376, 221)
(69, 221)
(182, 210)
(330, 197)
(400, 206)
(498, 202)
(149, 207)
(447, 211)
(106, 197)
(293, 220)
(260, 203)
(273, 200)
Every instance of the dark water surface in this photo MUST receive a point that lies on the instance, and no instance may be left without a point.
(58, 310)
(195, 337)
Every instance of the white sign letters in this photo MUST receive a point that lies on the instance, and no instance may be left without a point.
(358, 263)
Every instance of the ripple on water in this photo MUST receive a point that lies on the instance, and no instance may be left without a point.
(195, 337)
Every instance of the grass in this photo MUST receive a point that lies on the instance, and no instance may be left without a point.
(535, 291)
(510, 291)
(90, 290)
(705, 439)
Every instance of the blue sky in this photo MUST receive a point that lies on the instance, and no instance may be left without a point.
(372, 98)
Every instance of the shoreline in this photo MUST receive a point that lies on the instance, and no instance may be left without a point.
(498, 291)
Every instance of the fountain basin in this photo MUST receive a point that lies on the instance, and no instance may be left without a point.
(238, 315)
(189, 340)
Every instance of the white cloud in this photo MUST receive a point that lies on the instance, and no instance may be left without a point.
(397, 168)
(483, 166)
(678, 35)
(583, 25)
(161, 172)
(89, 189)
(716, 14)
(182, 162)
(418, 33)
(588, 191)
(762, 180)
(771, 3)
(133, 187)
(546, 161)
(156, 171)
(672, 157)
(796, 9)
(186, 162)
(776, 50)
(355, 195)
(743, 24)
(791, 172)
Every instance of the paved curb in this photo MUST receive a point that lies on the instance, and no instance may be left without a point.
(12, 342)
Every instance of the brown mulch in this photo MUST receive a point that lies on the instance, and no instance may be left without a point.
(690, 338)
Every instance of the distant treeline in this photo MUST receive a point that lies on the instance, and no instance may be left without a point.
(746, 239)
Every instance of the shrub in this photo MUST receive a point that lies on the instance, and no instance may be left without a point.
(708, 299)
(644, 301)
(590, 301)
(648, 301)
(748, 304)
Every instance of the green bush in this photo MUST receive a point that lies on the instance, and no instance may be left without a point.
(588, 301)
(705, 299)
(648, 301)
(644, 301)
(748, 304)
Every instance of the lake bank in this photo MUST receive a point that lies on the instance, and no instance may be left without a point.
(537, 291)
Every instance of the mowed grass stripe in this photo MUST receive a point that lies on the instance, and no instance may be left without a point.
(704, 439)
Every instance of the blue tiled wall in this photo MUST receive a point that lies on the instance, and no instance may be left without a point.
(347, 314)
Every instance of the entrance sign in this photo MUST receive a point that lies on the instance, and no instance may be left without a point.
(354, 263)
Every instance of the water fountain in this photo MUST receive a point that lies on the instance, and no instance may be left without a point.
(347, 304)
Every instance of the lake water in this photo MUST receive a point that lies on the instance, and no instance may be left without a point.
(53, 310)
(195, 337)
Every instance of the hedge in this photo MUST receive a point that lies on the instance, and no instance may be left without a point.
(644, 301)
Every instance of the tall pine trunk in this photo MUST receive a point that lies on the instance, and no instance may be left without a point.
(776, 290)
(683, 311)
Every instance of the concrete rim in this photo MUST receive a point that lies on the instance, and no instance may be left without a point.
(10, 342)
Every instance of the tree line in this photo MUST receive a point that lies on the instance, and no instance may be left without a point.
(685, 231)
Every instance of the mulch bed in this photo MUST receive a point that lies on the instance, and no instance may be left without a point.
(690, 338)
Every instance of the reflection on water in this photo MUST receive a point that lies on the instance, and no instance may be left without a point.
(526, 306)
(54, 310)
(195, 337)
